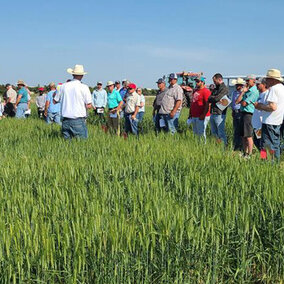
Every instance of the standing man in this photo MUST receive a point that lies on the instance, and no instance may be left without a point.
(117, 85)
(247, 98)
(273, 113)
(114, 103)
(52, 111)
(75, 98)
(132, 105)
(218, 117)
(162, 89)
(236, 113)
(123, 92)
(40, 102)
(11, 97)
(21, 104)
(257, 115)
(141, 111)
(171, 106)
(99, 101)
(199, 110)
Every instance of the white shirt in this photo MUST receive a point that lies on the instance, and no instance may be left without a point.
(258, 114)
(275, 95)
(142, 100)
(74, 96)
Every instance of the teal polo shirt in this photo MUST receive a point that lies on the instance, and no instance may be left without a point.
(113, 99)
(24, 93)
(250, 97)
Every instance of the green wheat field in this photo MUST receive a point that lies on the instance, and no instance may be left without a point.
(150, 210)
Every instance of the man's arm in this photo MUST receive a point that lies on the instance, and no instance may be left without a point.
(176, 107)
(47, 103)
(135, 112)
(222, 92)
(240, 97)
(18, 100)
(270, 107)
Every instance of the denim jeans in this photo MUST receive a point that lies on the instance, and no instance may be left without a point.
(217, 122)
(171, 123)
(53, 117)
(270, 138)
(130, 125)
(21, 108)
(238, 145)
(199, 126)
(157, 118)
(140, 116)
(74, 128)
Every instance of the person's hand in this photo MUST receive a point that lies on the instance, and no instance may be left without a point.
(45, 113)
(94, 108)
(113, 110)
(133, 117)
(257, 105)
(244, 104)
(245, 89)
(224, 102)
(172, 114)
(202, 117)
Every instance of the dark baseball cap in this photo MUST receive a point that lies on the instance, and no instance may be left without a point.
(173, 76)
(7, 85)
(117, 82)
(161, 80)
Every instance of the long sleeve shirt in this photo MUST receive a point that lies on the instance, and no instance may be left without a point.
(99, 98)
(217, 94)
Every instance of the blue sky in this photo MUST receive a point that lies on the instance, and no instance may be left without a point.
(138, 40)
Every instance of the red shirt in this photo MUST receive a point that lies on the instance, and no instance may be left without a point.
(198, 103)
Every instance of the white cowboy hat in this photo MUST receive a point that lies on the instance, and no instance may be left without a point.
(78, 70)
(274, 74)
(110, 83)
(239, 81)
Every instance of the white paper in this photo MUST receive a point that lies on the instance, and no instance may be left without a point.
(113, 115)
(100, 110)
(257, 133)
(162, 123)
(222, 107)
(28, 111)
(189, 121)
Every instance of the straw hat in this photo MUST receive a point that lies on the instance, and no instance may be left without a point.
(110, 83)
(78, 70)
(21, 82)
(274, 74)
(239, 81)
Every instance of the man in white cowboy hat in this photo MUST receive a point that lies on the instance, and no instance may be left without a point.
(236, 113)
(273, 113)
(75, 98)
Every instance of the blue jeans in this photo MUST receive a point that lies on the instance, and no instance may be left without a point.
(131, 126)
(53, 117)
(199, 126)
(217, 122)
(140, 116)
(21, 108)
(74, 128)
(171, 123)
(270, 138)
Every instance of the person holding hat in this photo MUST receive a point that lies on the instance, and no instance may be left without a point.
(236, 113)
(52, 111)
(99, 101)
(40, 102)
(272, 109)
(199, 110)
(171, 106)
(162, 89)
(10, 100)
(132, 105)
(21, 104)
(76, 99)
(247, 98)
(114, 103)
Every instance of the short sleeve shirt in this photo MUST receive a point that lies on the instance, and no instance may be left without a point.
(199, 102)
(275, 95)
(142, 100)
(173, 94)
(159, 97)
(53, 108)
(24, 93)
(12, 94)
(250, 97)
(113, 99)
(132, 101)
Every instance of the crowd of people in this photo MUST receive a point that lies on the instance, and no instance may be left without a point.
(257, 108)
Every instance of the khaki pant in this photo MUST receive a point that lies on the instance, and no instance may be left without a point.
(114, 125)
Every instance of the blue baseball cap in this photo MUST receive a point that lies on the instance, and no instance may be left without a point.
(161, 80)
(173, 76)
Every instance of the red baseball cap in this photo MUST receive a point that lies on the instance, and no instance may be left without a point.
(132, 86)
(41, 89)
